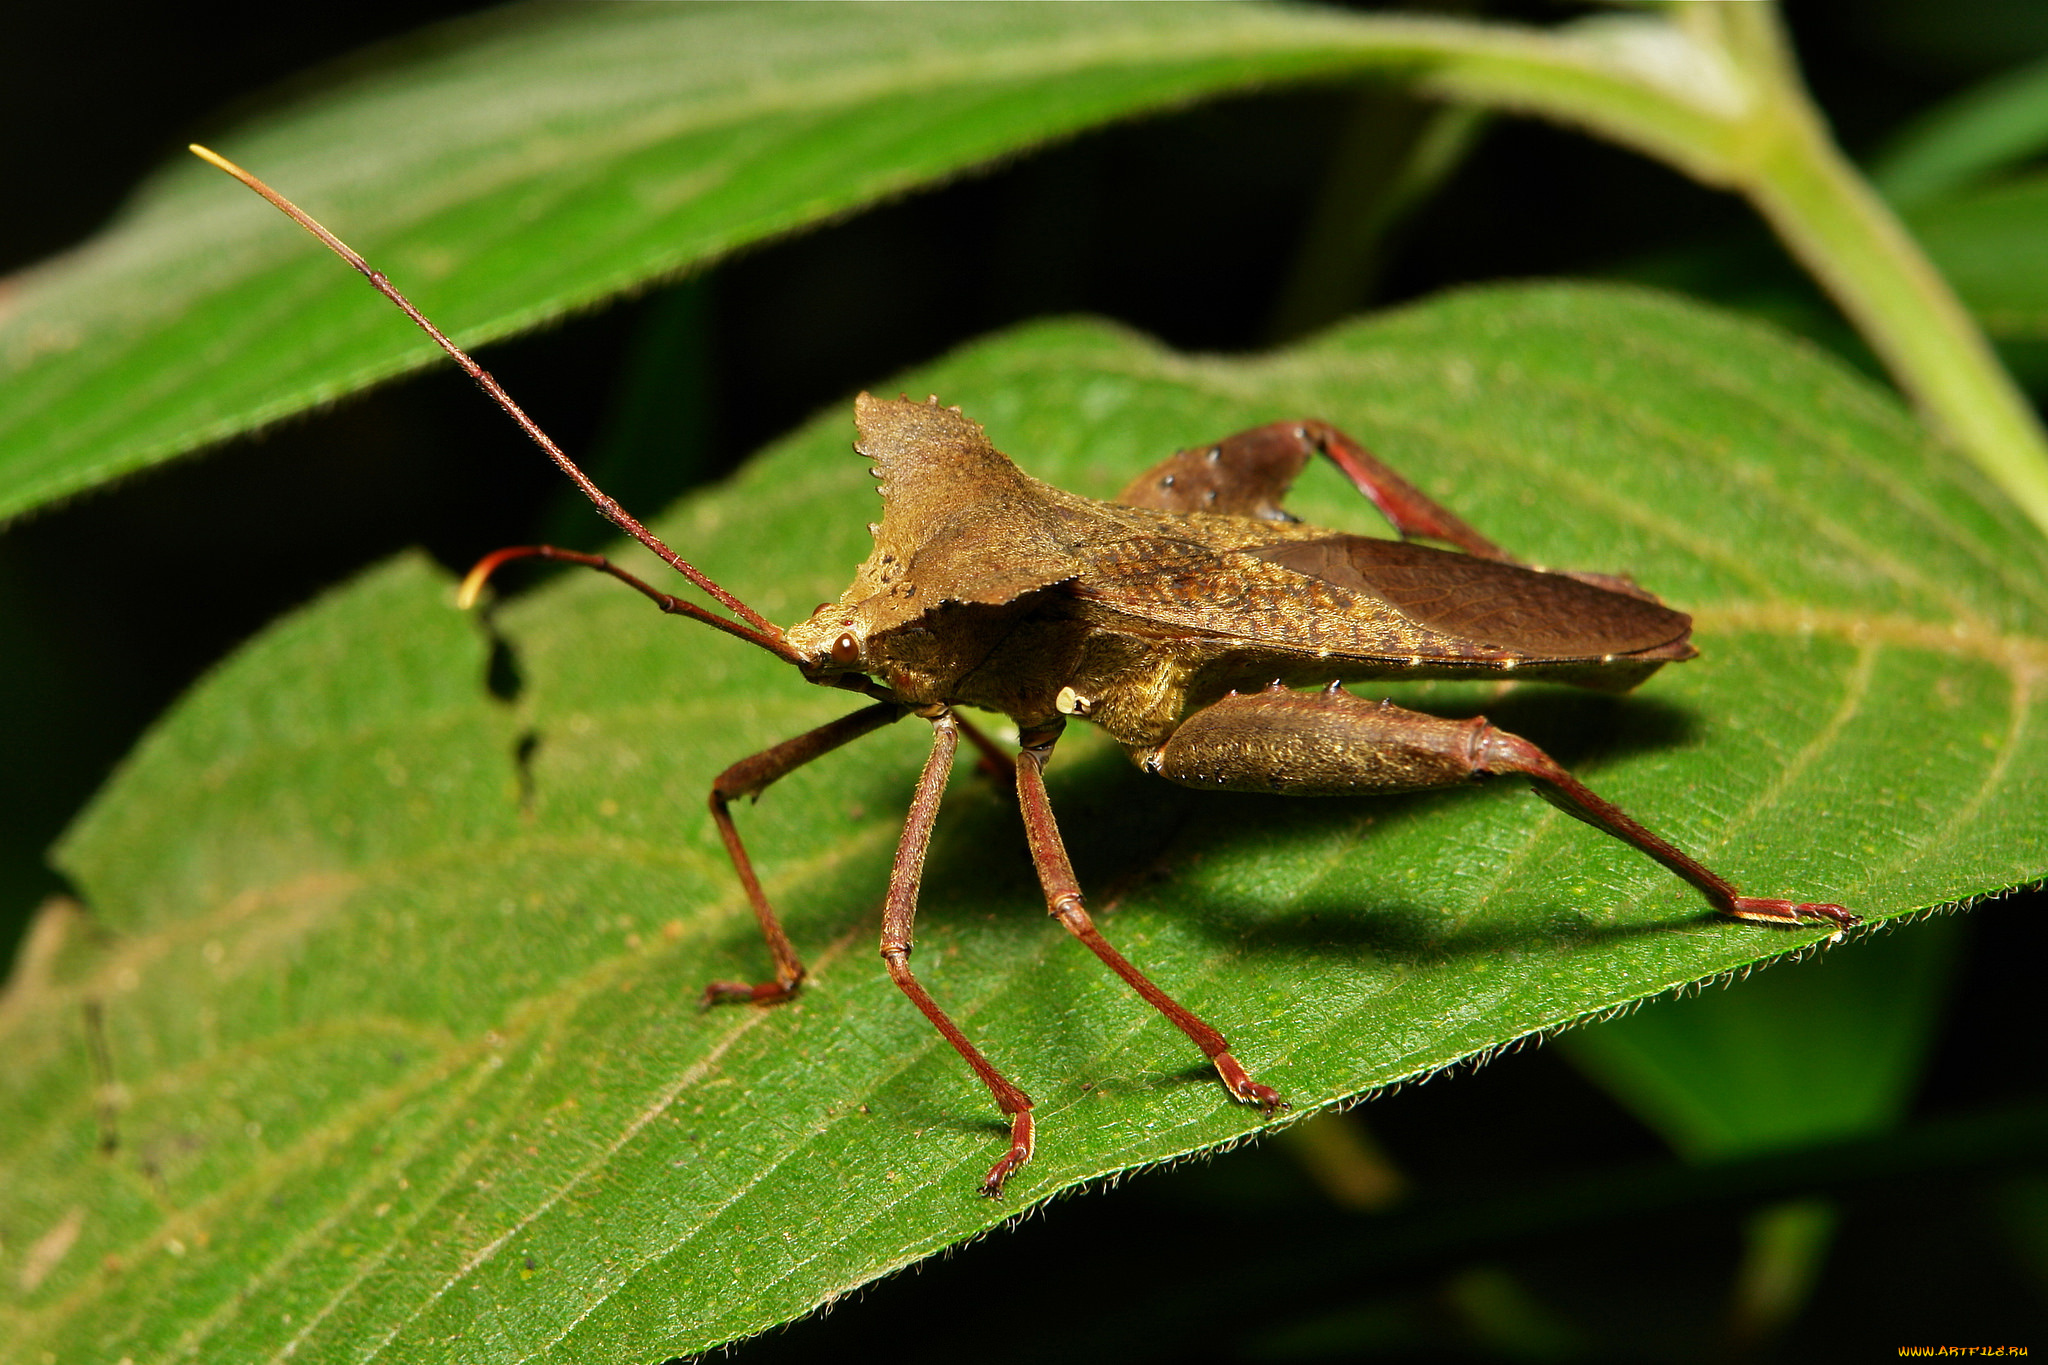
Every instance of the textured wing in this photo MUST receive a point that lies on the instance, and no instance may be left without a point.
(1528, 611)
(1366, 598)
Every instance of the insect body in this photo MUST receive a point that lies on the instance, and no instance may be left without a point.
(1181, 618)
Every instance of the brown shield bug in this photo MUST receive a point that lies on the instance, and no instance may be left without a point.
(1181, 618)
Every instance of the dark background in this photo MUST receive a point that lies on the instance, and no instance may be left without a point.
(1186, 227)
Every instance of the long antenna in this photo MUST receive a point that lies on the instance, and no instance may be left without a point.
(762, 632)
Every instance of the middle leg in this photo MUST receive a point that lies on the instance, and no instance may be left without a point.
(1063, 901)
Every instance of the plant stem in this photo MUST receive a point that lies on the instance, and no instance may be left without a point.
(1841, 231)
(1711, 88)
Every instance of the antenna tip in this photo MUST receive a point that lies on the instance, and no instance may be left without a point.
(213, 158)
(473, 584)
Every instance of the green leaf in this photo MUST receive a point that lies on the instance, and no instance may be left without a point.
(1992, 243)
(1987, 130)
(532, 162)
(510, 169)
(379, 1042)
(1716, 1077)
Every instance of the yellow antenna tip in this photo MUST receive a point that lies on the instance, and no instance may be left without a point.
(473, 585)
(473, 582)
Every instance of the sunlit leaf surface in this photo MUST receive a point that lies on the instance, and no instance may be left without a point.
(538, 160)
(377, 1039)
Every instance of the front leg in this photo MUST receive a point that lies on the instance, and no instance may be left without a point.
(1063, 900)
(749, 778)
(899, 920)
(1334, 744)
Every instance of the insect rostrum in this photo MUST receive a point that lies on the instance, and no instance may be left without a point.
(1180, 617)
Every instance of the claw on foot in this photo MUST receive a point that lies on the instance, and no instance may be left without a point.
(1766, 910)
(729, 992)
(1266, 1097)
(1246, 1090)
(1020, 1152)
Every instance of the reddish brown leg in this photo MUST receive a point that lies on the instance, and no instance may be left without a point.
(1334, 744)
(750, 777)
(1063, 900)
(899, 917)
(1405, 506)
(1502, 752)
(1248, 474)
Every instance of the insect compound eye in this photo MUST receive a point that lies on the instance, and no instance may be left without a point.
(846, 650)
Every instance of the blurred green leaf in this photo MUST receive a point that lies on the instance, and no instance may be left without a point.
(544, 158)
(1959, 176)
(390, 982)
(1737, 1072)
(2023, 1206)
(1572, 1235)
(535, 161)
(1992, 243)
(1949, 149)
